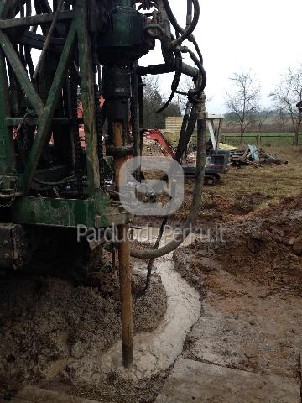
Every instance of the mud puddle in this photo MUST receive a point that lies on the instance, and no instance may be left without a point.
(84, 368)
(156, 351)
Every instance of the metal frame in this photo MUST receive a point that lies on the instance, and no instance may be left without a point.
(78, 36)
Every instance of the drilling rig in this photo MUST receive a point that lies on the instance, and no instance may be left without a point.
(53, 55)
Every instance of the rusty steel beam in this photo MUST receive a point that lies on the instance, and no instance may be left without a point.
(48, 39)
(20, 73)
(8, 7)
(88, 97)
(44, 119)
(36, 41)
(7, 154)
(35, 20)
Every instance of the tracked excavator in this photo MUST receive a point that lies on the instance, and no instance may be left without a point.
(53, 52)
(216, 161)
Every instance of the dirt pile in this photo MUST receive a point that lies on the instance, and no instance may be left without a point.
(265, 248)
(251, 287)
(242, 204)
(47, 323)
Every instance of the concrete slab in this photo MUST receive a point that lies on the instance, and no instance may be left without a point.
(33, 394)
(193, 381)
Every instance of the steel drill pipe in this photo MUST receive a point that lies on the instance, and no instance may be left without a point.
(125, 269)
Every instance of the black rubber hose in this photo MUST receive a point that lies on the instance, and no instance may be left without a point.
(187, 133)
(189, 13)
(195, 205)
(185, 34)
(180, 30)
(151, 261)
(175, 82)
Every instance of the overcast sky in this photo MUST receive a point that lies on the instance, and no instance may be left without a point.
(237, 35)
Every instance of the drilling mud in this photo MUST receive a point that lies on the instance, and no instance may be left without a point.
(157, 351)
(58, 336)
(236, 337)
(154, 352)
(48, 324)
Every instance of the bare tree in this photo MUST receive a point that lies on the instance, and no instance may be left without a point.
(152, 102)
(286, 95)
(243, 100)
(282, 119)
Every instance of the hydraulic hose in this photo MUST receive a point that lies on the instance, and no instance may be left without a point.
(199, 110)
(196, 201)
(185, 34)
(189, 13)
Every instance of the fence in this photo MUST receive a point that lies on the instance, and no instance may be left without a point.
(268, 139)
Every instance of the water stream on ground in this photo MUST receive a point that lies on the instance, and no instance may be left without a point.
(157, 350)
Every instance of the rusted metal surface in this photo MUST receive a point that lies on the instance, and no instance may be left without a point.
(7, 158)
(21, 75)
(96, 212)
(14, 246)
(35, 20)
(126, 295)
(47, 177)
(48, 112)
(125, 268)
(88, 98)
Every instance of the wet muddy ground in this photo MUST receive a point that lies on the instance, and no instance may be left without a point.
(243, 344)
(50, 328)
(250, 286)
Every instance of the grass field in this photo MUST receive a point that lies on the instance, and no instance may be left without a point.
(246, 189)
(261, 139)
